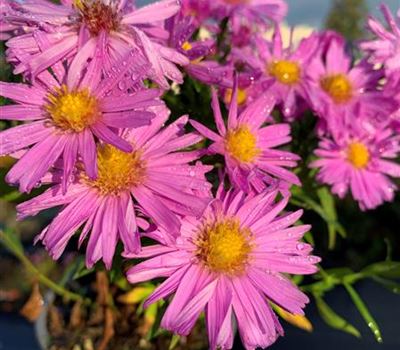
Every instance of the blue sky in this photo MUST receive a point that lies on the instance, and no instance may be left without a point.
(313, 12)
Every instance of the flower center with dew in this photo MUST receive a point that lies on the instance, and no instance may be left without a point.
(223, 246)
(286, 72)
(338, 87)
(98, 16)
(72, 110)
(241, 144)
(358, 155)
(118, 171)
(241, 96)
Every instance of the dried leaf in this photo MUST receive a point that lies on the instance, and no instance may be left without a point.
(108, 329)
(34, 306)
(56, 324)
(136, 295)
(298, 321)
(76, 319)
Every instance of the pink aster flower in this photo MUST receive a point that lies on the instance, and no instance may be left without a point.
(259, 10)
(73, 29)
(337, 86)
(209, 72)
(6, 28)
(198, 9)
(231, 263)
(283, 70)
(392, 90)
(360, 161)
(385, 48)
(247, 145)
(154, 179)
(63, 118)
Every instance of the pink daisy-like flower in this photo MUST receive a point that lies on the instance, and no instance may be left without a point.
(73, 29)
(392, 90)
(155, 174)
(209, 72)
(282, 70)
(259, 10)
(337, 86)
(63, 117)
(198, 9)
(360, 161)
(385, 48)
(6, 28)
(251, 162)
(230, 264)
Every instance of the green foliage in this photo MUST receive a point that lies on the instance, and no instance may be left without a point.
(348, 17)
(332, 319)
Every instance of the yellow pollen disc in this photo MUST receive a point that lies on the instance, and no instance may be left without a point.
(241, 144)
(187, 46)
(72, 110)
(241, 96)
(286, 72)
(338, 87)
(118, 171)
(98, 16)
(358, 155)
(224, 246)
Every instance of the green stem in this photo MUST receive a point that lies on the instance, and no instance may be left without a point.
(362, 308)
(18, 252)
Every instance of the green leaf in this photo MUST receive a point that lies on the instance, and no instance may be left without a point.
(174, 341)
(82, 270)
(362, 308)
(394, 287)
(386, 269)
(11, 196)
(330, 214)
(340, 272)
(11, 241)
(333, 320)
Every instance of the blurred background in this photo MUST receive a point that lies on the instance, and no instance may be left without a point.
(370, 235)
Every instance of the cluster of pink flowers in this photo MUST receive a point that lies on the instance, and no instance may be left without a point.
(96, 131)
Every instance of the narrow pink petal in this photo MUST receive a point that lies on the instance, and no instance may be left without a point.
(53, 55)
(22, 136)
(166, 288)
(158, 11)
(22, 93)
(109, 234)
(205, 131)
(38, 160)
(160, 266)
(16, 112)
(87, 149)
(153, 207)
(219, 121)
(128, 119)
(105, 134)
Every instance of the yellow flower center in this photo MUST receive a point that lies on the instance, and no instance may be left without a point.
(187, 46)
(286, 72)
(98, 16)
(224, 246)
(358, 155)
(118, 171)
(72, 110)
(241, 96)
(338, 87)
(241, 144)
